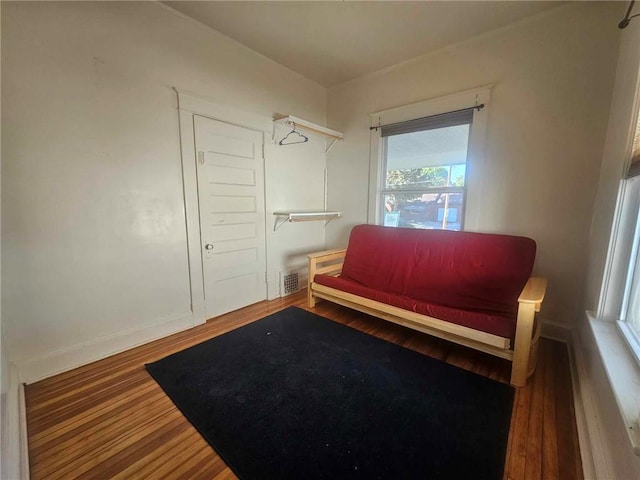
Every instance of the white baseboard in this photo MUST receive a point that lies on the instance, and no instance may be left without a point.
(556, 331)
(593, 449)
(24, 439)
(37, 368)
(15, 450)
(596, 463)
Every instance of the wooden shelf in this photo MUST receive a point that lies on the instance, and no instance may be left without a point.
(306, 216)
(309, 127)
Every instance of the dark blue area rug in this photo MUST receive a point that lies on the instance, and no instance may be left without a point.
(297, 396)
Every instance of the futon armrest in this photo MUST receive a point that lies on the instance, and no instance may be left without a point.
(533, 292)
(333, 254)
(328, 262)
(523, 356)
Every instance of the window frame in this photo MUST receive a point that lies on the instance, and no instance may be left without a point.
(475, 151)
(623, 250)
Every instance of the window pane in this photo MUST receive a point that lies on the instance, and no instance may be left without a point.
(633, 302)
(427, 177)
(622, 298)
(431, 158)
(633, 317)
(425, 174)
(423, 210)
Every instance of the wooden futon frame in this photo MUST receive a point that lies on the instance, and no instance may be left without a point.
(523, 352)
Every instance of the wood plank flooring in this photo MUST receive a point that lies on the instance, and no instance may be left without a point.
(110, 419)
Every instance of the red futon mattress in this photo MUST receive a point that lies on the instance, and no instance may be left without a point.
(471, 279)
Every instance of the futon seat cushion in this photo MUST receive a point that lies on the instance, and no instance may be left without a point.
(472, 279)
(501, 325)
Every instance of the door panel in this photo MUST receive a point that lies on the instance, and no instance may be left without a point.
(231, 175)
(232, 214)
(227, 204)
(226, 145)
(237, 258)
(230, 218)
(229, 287)
(231, 233)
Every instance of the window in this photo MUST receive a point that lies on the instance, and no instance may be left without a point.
(426, 163)
(630, 204)
(424, 172)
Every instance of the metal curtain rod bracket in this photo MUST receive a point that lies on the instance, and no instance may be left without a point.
(475, 107)
(627, 18)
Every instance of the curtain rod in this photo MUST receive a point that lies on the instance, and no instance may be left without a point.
(475, 107)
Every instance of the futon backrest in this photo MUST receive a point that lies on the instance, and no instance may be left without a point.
(473, 271)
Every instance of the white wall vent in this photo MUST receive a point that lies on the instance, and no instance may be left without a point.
(292, 281)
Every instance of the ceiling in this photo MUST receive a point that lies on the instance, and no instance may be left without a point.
(333, 42)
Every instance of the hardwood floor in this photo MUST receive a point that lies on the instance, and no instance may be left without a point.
(110, 419)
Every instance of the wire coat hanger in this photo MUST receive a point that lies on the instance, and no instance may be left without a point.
(299, 139)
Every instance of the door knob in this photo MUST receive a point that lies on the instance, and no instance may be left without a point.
(208, 246)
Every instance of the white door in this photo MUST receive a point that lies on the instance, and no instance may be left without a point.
(232, 217)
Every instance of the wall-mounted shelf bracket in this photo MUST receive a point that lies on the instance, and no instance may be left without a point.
(307, 127)
(284, 217)
(331, 145)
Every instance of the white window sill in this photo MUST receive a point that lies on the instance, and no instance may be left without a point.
(623, 373)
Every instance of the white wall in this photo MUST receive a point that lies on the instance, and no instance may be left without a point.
(5, 460)
(553, 76)
(94, 242)
(4, 358)
(296, 168)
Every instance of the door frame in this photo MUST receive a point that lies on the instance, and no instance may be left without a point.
(188, 106)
